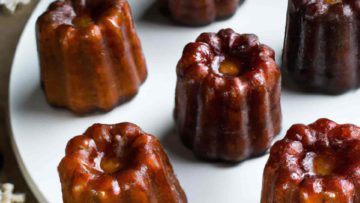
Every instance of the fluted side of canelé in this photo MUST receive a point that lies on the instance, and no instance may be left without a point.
(292, 174)
(322, 45)
(227, 118)
(93, 66)
(144, 174)
(198, 13)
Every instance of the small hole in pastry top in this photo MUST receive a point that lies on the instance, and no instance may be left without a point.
(116, 156)
(88, 12)
(324, 165)
(320, 164)
(111, 164)
(333, 1)
(229, 66)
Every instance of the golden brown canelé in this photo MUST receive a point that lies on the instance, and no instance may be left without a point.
(199, 12)
(315, 163)
(322, 45)
(118, 163)
(90, 56)
(227, 104)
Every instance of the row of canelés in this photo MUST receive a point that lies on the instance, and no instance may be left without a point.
(227, 99)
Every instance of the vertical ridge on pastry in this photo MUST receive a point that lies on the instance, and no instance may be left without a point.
(135, 47)
(227, 104)
(99, 63)
(321, 45)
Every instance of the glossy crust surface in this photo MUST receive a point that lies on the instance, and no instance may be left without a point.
(199, 12)
(315, 163)
(223, 117)
(90, 56)
(118, 163)
(322, 45)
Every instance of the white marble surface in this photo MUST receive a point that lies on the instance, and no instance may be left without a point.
(12, 4)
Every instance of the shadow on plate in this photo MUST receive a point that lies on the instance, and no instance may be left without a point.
(172, 143)
(238, 164)
(36, 102)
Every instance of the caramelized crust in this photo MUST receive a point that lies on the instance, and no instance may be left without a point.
(118, 163)
(90, 55)
(227, 96)
(322, 45)
(315, 163)
(200, 12)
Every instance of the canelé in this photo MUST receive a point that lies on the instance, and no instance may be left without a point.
(118, 163)
(200, 12)
(227, 104)
(315, 163)
(90, 55)
(322, 45)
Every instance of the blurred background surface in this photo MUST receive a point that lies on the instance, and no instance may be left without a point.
(11, 26)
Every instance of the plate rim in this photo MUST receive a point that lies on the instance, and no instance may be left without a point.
(8, 118)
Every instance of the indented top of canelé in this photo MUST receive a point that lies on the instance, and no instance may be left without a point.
(111, 149)
(226, 55)
(109, 156)
(332, 8)
(320, 153)
(80, 13)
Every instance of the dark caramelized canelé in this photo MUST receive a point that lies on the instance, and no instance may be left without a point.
(199, 12)
(227, 104)
(118, 163)
(321, 50)
(90, 55)
(315, 163)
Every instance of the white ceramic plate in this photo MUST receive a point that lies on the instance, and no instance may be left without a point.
(40, 133)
